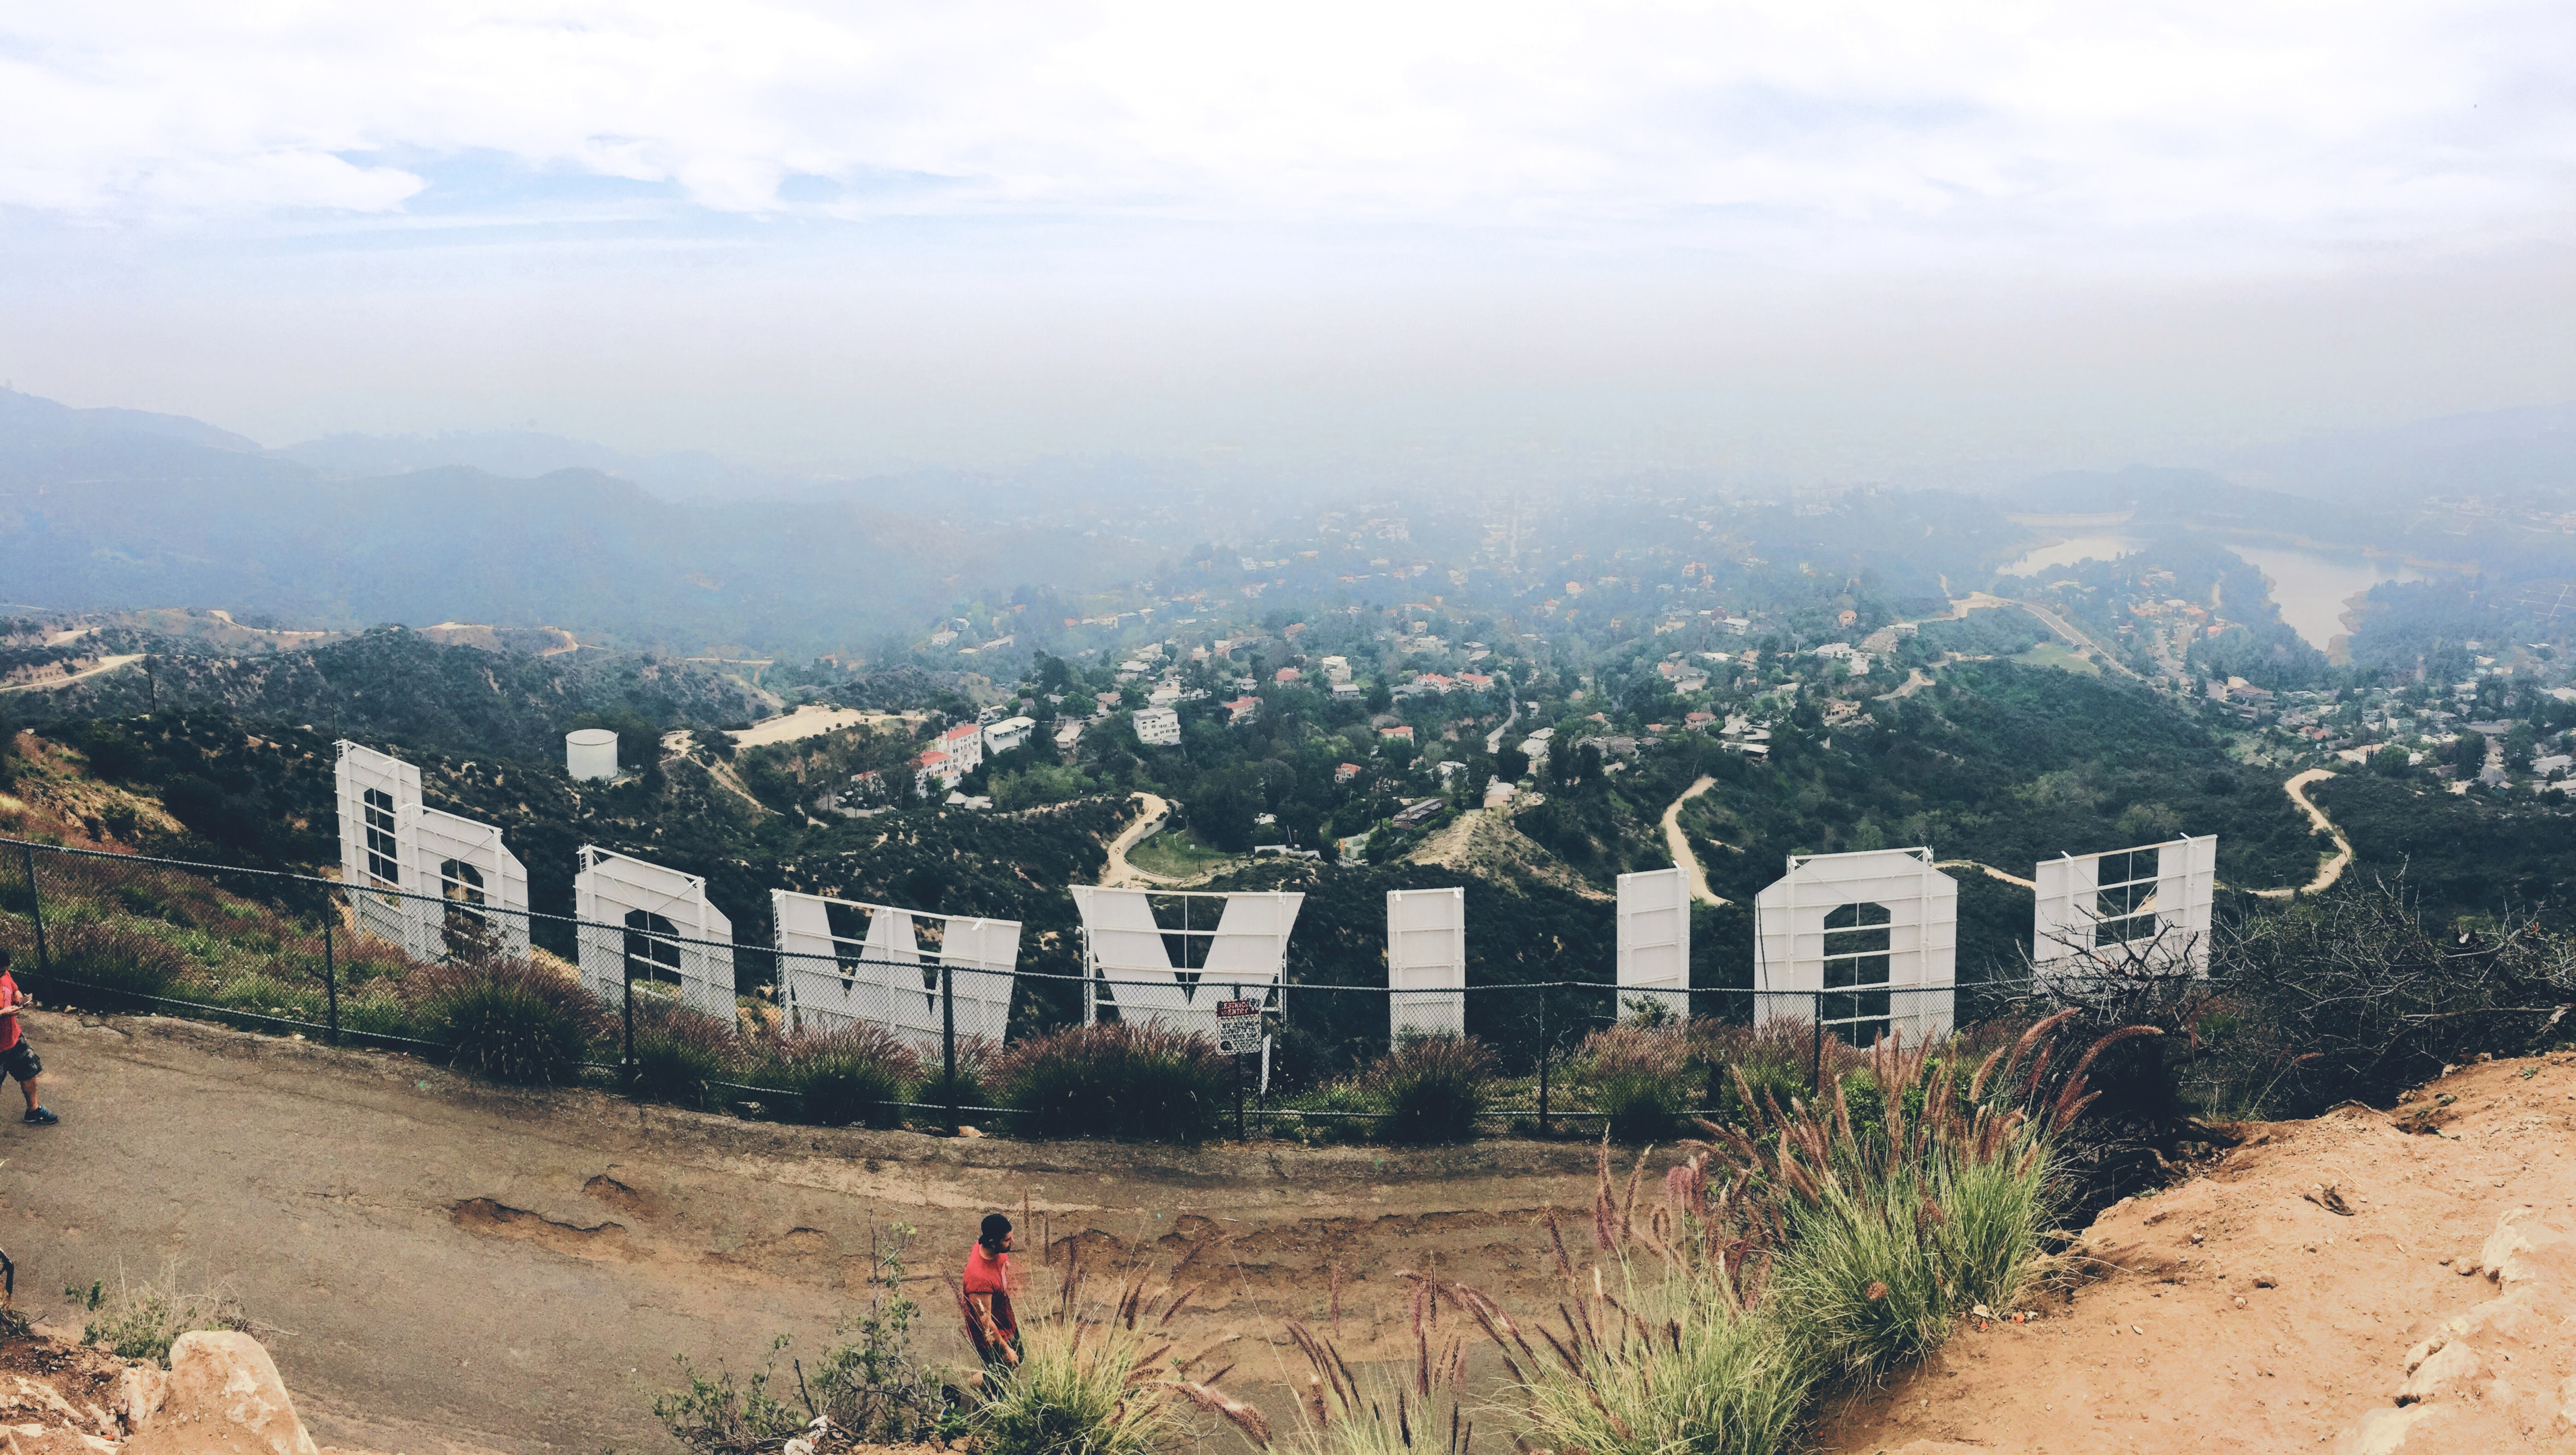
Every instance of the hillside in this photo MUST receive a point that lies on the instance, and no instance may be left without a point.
(399, 684)
(2362, 1283)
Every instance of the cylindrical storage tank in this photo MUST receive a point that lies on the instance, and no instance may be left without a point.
(590, 753)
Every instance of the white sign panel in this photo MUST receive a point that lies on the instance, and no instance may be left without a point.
(1128, 955)
(1654, 941)
(1870, 939)
(842, 962)
(482, 889)
(1426, 962)
(654, 925)
(2128, 911)
(374, 790)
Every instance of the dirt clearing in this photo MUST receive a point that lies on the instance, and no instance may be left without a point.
(451, 1267)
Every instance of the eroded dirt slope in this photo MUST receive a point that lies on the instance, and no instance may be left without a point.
(2426, 1305)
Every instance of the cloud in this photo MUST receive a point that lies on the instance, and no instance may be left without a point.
(1812, 134)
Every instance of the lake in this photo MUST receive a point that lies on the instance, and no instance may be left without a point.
(2068, 552)
(2313, 588)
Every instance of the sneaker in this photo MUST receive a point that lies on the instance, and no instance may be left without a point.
(37, 1116)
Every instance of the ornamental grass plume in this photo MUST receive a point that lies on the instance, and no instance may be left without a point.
(1101, 1378)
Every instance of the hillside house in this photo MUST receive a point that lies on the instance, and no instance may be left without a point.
(964, 745)
(1066, 735)
(1346, 772)
(1157, 727)
(1242, 710)
(1009, 733)
(1402, 733)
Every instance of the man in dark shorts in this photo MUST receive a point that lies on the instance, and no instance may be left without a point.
(986, 1293)
(17, 1056)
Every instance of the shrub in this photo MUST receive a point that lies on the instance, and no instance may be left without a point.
(1116, 1080)
(679, 1052)
(1773, 1060)
(841, 1077)
(1432, 1088)
(141, 1320)
(1638, 1078)
(1087, 1381)
(509, 1020)
(1890, 1228)
(1664, 1350)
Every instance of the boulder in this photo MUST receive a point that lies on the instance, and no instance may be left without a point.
(2452, 1371)
(223, 1397)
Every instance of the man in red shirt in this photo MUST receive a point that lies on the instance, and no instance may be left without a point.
(17, 1057)
(987, 1295)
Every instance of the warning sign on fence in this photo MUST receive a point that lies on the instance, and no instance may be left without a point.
(1238, 1027)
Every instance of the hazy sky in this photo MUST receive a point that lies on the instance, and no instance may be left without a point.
(1839, 240)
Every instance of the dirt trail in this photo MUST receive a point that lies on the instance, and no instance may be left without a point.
(1989, 870)
(464, 1268)
(1118, 873)
(1916, 679)
(2235, 1312)
(105, 664)
(2333, 869)
(1679, 843)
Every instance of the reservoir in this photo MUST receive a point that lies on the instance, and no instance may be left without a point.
(2313, 589)
(2068, 552)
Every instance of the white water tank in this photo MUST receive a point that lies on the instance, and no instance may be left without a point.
(590, 754)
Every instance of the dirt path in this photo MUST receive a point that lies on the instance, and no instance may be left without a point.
(1989, 870)
(105, 664)
(461, 1269)
(1679, 843)
(2333, 868)
(1118, 873)
(2234, 1314)
(1916, 679)
(723, 773)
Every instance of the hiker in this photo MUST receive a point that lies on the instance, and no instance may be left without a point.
(17, 1056)
(987, 1295)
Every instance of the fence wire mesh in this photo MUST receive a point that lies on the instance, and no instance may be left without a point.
(287, 952)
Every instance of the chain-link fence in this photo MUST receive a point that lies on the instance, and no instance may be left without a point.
(302, 954)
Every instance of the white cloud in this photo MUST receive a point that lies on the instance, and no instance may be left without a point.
(1803, 131)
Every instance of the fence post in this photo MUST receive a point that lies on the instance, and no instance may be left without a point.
(948, 1037)
(626, 1066)
(1816, 1054)
(36, 908)
(330, 979)
(1543, 1049)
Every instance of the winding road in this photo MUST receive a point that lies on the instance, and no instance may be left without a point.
(105, 664)
(2333, 869)
(1118, 873)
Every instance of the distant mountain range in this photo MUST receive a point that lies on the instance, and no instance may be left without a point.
(108, 509)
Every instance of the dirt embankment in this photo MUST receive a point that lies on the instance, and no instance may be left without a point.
(2361, 1284)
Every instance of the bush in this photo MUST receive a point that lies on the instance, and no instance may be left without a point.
(509, 1020)
(679, 1052)
(1638, 1077)
(111, 957)
(843, 1077)
(1086, 1383)
(1694, 1371)
(1893, 1226)
(1115, 1080)
(141, 1320)
(1432, 1088)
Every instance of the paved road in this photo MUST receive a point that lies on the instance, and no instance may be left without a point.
(457, 1268)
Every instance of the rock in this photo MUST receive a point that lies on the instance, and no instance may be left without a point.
(2465, 1267)
(2266, 1280)
(223, 1398)
(2524, 1248)
(2452, 1371)
(137, 1395)
(2431, 1346)
(2384, 1431)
